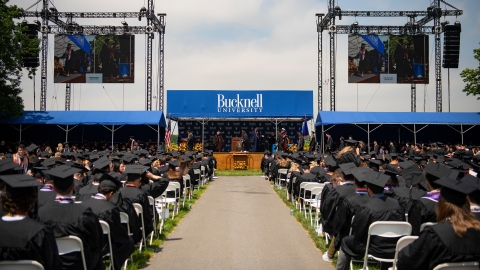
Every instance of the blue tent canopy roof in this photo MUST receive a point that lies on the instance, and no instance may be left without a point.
(456, 118)
(90, 118)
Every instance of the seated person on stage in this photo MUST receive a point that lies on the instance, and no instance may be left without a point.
(456, 236)
(379, 208)
(346, 210)
(65, 218)
(122, 244)
(132, 191)
(342, 188)
(23, 238)
(423, 210)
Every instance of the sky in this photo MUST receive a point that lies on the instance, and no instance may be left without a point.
(256, 45)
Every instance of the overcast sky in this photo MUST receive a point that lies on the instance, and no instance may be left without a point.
(255, 44)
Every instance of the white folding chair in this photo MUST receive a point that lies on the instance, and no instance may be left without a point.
(172, 187)
(106, 231)
(69, 244)
(314, 201)
(151, 201)
(139, 209)
(387, 229)
(186, 178)
(282, 177)
(178, 195)
(401, 243)
(124, 219)
(426, 224)
(302, 187)
(197, 174)
(213, 173)
(458, 266)
(162, 210)
(20, 265)
(203, 176)
(307, 187)
(294, 180)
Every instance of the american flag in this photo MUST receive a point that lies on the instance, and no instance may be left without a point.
(167, 133)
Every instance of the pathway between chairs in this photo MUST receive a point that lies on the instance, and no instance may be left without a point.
(239, 223)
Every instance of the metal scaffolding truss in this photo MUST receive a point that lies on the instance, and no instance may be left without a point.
(68, 26)
(326, 22)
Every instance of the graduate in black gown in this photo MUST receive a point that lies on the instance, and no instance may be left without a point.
(346, 209)
(454, 239)
(423, 210)
(379, 208)
(22, 238)
(122, 243)
(414, 189)
(474, 197)
(65, 218)
(132, 191)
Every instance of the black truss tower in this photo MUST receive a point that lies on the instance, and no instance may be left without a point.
(413, 27)
(154, 25)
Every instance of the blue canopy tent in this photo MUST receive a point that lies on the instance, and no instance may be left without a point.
(111, 120)
(271, 105)
(331, 119)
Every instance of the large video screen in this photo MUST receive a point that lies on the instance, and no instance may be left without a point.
(94, 59)
(388, 59)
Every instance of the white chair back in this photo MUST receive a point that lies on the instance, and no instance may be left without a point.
(387, 229)
(69, 244)
(20, 265)
(458, 266)
(402, 242)
(426, 224)
(139, 209)
(125, 220)
(106, 231)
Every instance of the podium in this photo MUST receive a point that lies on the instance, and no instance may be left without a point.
(234, 142)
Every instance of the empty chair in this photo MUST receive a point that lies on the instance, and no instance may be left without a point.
(20, 265)
(458, 266)
(197, 175)
(162, 211)
(106, 231)
(69, 244)
(387, 229)
(139, 209)
(282, 177)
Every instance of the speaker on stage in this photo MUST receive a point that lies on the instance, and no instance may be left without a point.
(31, 31)
(451, 45)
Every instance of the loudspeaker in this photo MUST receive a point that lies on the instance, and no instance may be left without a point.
(451, 45)
(30, 60)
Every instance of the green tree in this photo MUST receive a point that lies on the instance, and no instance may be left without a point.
(14, 43)
(471, 77)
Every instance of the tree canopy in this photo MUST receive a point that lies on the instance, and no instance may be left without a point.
(471, 77)
(14, 44)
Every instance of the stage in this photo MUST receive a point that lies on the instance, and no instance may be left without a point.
(230, 160)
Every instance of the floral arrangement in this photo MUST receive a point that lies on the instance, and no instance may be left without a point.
(198, 147)
(240, 165)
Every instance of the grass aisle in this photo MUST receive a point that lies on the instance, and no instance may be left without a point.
(141, 259)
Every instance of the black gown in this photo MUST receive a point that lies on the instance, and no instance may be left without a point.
(290, 184)
(381, 208)
(77, 220)
(156, 188)
(320, 173)
(438, 244)
(305, 177)
(86, 192)
(134, 221)
(44, 196)
(122, 244)
(421, 211)
(345, 211)
(406, 196)
(28, 239)
(138, 196)
(330, 204)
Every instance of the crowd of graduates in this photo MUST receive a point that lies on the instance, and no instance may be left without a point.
(45, 196)
(423, 183)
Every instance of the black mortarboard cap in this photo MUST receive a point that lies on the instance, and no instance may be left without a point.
(455, 191)
(62, 176)
(413, 176)
(44, 154)
(439, 143)
(145, 162)
(457, 163)
(31, 147)
(438, 170)
(18, 184)
(347, 168)
(374, 163)
(360, 173)
(305, 165)
(406, 164)
(351, 142)
(377, 178)
(391, 171)
(173, 164)
(135, 170)
(174, 154)
(329, 161)
(110, 180)
(101, 163)
(9, 168)
(49, 162)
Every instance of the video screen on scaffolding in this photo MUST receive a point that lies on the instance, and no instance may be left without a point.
(94, 59)
(388, 59)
